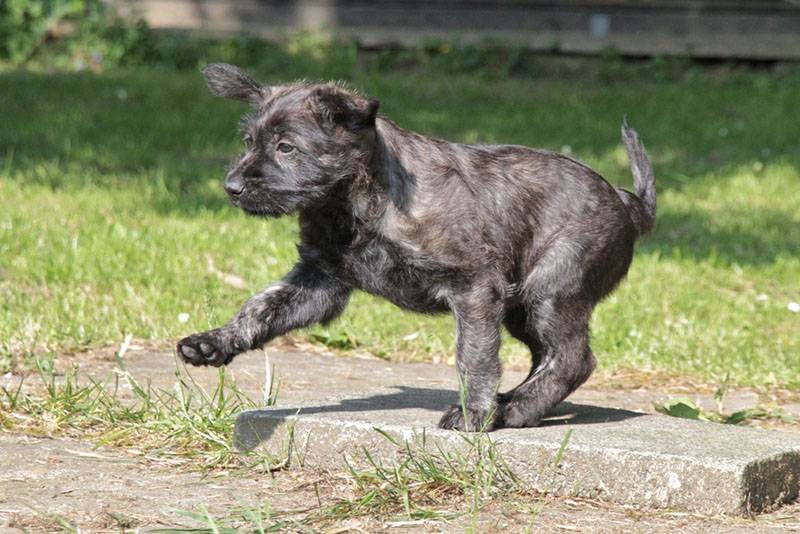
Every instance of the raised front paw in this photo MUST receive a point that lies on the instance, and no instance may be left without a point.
(476, 420)
(205, 348)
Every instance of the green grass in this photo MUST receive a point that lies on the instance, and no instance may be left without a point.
(185, 423)
(423, 483)
(111, 205)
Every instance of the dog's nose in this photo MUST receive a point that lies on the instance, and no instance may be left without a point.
(234, 185)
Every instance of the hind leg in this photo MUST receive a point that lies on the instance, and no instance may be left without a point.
(516, 322)
(559, 293)
(561, 325)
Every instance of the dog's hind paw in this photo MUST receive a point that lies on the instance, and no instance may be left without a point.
(476, 421)
(514, 413)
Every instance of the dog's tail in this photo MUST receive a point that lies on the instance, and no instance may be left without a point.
(642, 205)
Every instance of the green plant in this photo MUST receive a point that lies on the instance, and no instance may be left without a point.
(85, 33)
(336, 339)
(687, 409)
(612, 67)
(486, 58)
(25, 25)
(425, 477)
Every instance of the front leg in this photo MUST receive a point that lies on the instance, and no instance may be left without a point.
(307, 295)
(478, 315)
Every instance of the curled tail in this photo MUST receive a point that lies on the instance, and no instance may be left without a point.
(642, 205)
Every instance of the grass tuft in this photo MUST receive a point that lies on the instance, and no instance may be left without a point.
(186, 424)
(425, 480)
(422, 483)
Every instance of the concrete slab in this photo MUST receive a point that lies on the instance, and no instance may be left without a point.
(616, 451)
(613, 454)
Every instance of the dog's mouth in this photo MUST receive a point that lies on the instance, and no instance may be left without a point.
(272, 200)
(258, 208)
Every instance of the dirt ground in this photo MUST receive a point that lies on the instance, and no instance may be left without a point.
(51, 484)
(55, 484)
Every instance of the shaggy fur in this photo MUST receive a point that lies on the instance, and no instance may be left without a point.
(500, 236)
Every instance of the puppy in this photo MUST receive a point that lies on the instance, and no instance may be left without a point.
(498, 235)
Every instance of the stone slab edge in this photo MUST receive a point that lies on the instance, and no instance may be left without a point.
(623, 476)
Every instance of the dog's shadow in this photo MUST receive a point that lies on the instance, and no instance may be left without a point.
(251, 431)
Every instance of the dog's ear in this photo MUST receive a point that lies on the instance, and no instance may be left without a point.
(335, 106)
(229, 82)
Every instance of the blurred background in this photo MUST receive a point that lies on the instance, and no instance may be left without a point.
(741, 29)
(113, 220)
(762, 30)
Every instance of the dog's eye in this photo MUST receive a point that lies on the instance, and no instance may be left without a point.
(248, 141)
(285, 148)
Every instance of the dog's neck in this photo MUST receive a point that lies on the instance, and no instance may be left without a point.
(391, 185)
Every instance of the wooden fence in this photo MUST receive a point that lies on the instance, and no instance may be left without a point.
(755, 29)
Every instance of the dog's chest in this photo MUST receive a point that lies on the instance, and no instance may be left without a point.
(398, 273)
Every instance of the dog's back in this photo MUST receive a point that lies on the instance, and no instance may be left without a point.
(505, 207)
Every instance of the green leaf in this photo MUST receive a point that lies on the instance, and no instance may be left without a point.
(738, 417)
(680, 407)
(336, 340)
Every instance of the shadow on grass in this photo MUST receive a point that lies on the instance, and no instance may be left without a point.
(149, 120)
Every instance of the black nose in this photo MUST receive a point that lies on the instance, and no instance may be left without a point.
(234, 185)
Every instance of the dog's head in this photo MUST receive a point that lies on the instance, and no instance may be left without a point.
(302, 142)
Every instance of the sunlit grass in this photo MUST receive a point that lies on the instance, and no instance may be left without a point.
(424, 483)
(187, 424)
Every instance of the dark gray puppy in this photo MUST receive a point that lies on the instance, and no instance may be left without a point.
(498, 235)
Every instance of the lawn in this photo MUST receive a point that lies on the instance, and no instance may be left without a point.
(113, 219)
